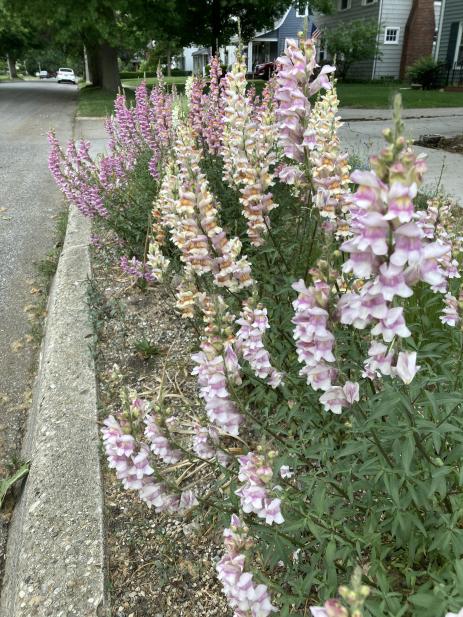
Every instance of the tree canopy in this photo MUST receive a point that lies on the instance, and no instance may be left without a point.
(352, 43)
(105, 26)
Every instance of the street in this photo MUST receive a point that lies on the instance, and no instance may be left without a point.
(29, 201)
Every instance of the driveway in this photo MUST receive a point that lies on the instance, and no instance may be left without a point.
(28, 203)
(362, 135)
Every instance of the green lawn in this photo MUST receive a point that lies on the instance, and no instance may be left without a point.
(7, 78)
(150, 81)
(95, 102)
(180, 83)
(371, 96)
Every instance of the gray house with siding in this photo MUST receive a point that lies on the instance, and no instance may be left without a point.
(449, 47)
(405, 33)
(267, 46)
(263, 47)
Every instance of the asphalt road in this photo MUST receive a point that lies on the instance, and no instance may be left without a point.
(29, 202)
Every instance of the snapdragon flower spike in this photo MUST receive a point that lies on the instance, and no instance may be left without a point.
(205, 444)
(131, 463)
(330, 169)
(217, 365)
(220, 408)
(253, 323)
(194, 225)
(213, 117)
(249, 150)
(315, 345)
(255, 494)
(76, 175)
(159, 443)
(156, 262)
(197, 103)
(314, 342)
(246, 598)
(295, 88)
(451, 314)
(393, 248)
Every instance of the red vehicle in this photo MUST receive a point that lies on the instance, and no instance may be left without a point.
(265, 70)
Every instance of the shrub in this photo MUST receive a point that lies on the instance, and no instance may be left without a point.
(425, 71)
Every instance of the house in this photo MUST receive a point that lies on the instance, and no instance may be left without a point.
(263, 47)
(195, 59)
(406, 31)
(449, 45)
(267, 46)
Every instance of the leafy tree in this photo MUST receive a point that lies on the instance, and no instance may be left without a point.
(352, 43)
(51, 58)
(14, 37)
(212, 22)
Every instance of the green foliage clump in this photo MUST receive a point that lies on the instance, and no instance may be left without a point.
(425, 71)
(350, 43)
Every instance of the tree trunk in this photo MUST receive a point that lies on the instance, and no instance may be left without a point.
(169, 60)
(94, 66)
(215, 26)
(110, 79)
(86, 67)
(11, 67)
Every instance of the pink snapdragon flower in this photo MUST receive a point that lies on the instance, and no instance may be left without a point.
(315, 345)
(212, 380)
(395, 248)
(450, 314)
(131, 463)
(205, 444)
(255, 495)
(245, 597)
(253, 324)
(159, 443)
(406, 367)
(295, 88)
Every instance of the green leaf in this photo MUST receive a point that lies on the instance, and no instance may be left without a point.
(6, 484)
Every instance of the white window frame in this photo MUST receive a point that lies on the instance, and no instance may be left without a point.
(369, 2)
(458, 45)
(349, 6)
(306, 10)
(396, 42)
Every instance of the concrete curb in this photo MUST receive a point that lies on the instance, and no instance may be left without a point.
(55, 557)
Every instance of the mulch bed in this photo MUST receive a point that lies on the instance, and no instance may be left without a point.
(159, 565)
(450, 144)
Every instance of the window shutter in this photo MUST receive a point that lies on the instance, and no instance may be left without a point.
(454, 28)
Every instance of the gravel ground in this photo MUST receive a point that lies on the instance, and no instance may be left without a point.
(159, 566)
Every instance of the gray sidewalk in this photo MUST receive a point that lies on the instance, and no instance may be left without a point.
(362, 136)
(356, 115)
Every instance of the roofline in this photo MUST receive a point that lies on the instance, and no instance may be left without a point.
(277, 25)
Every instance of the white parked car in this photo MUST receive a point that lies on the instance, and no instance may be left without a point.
(66, 75)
